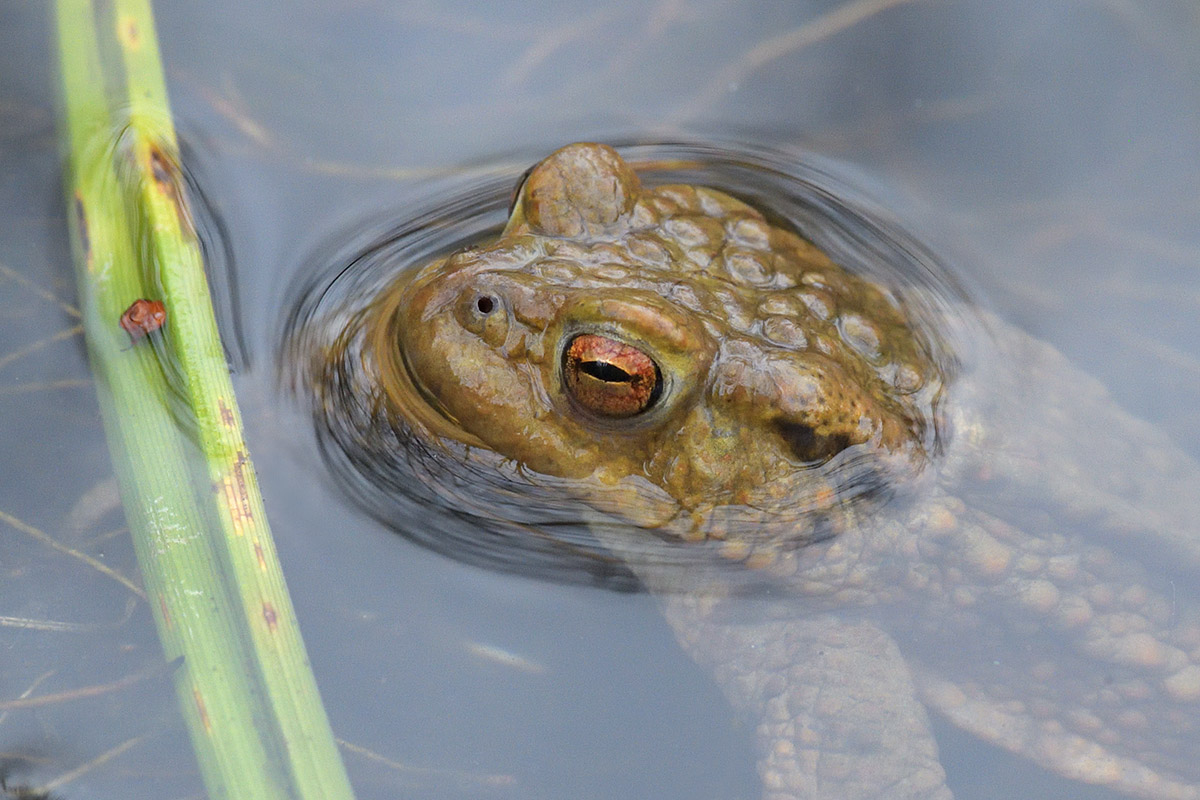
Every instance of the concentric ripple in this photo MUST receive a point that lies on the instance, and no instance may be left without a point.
(477, 506)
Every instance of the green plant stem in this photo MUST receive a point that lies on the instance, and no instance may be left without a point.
(190, 492)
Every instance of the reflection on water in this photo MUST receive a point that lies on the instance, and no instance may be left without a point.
(1045, 150)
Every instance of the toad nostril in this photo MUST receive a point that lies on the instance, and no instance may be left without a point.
(485, 304)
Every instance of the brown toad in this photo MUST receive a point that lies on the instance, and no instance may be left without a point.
(680, 363)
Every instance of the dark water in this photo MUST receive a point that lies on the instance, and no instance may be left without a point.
(1045, 150)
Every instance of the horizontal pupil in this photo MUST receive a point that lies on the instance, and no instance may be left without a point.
(604, 371)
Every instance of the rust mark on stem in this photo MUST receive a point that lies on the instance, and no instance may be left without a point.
(227, 417)
(168, 623)
(240, 464)
(168, 179)
(237, 497)
(203, 711)
(128, 33)
(270, 616)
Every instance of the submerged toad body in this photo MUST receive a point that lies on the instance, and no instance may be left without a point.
(965, 539)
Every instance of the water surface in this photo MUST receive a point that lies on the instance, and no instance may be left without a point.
(1045, 150)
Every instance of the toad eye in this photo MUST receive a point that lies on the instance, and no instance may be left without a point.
(610, 378)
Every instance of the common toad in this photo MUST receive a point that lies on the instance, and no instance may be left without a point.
(946, 539)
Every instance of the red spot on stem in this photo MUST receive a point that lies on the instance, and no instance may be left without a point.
(204, 720)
